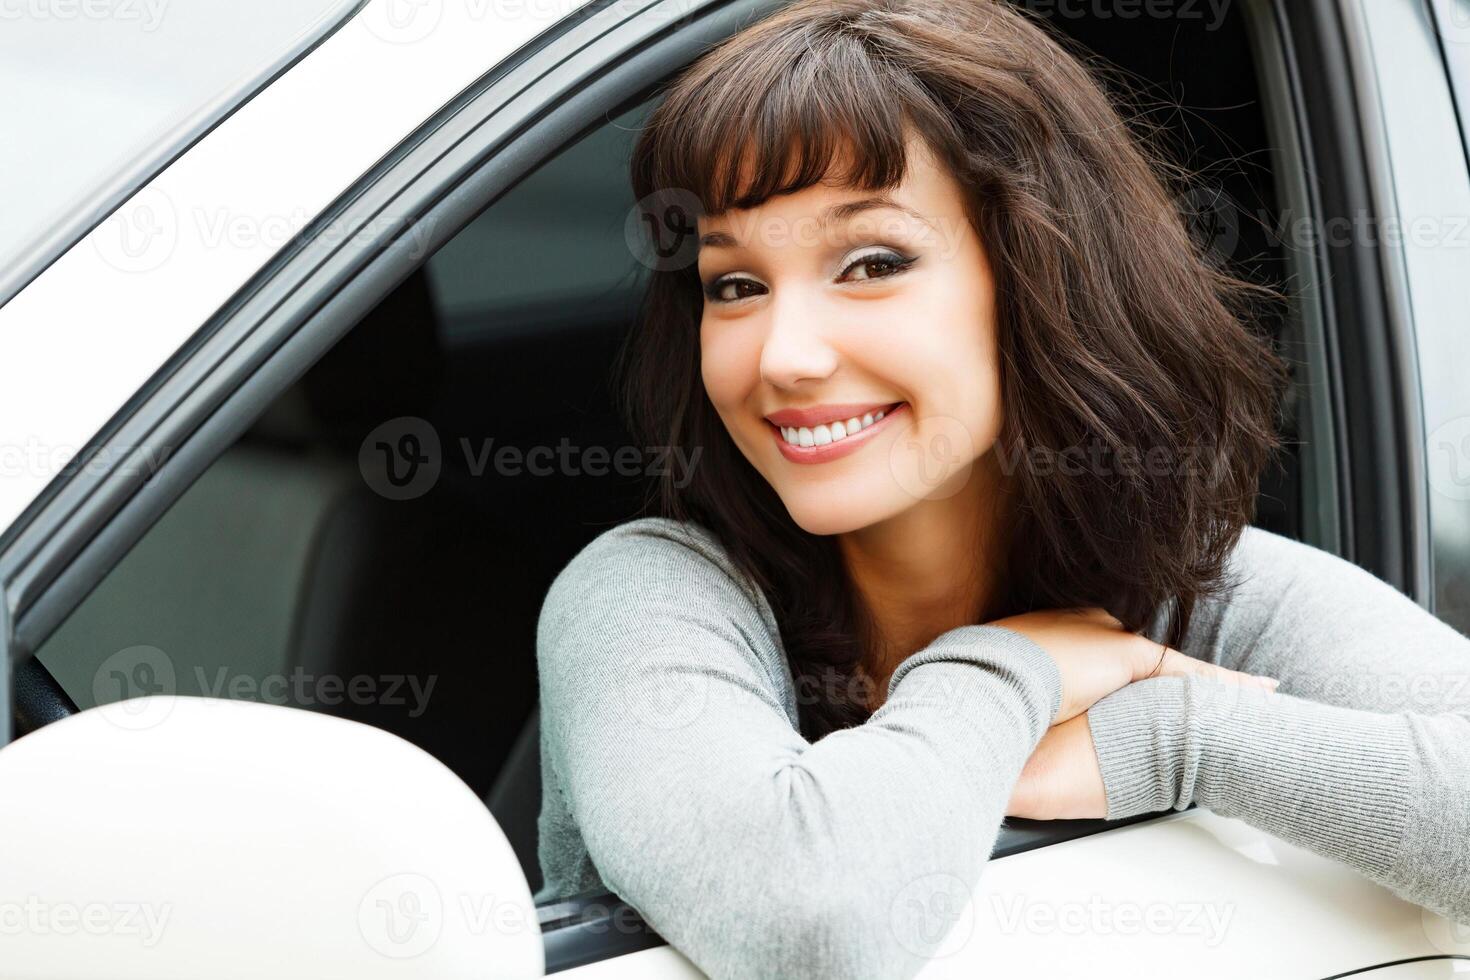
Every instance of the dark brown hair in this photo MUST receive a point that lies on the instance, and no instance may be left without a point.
(1116, 328)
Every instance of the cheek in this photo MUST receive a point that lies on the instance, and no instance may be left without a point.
(951, 353)
(729, 364)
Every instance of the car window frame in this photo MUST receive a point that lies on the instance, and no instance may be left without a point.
(1368, 343)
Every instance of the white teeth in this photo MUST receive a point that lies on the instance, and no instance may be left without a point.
(822, 435)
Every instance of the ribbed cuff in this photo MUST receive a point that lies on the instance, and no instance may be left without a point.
(1331, 779)
(1139, 733)
(1020, 664)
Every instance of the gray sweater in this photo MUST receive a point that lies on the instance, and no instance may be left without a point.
(675, 776)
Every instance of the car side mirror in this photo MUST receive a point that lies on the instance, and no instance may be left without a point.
(181, 837)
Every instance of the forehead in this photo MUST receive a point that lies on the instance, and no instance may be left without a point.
(927, 187)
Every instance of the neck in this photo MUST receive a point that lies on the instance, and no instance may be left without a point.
(926, 570)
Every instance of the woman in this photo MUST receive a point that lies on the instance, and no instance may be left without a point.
(981, 433)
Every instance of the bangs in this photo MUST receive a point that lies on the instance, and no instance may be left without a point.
(773, 115)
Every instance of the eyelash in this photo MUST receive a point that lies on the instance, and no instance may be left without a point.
(897, 260)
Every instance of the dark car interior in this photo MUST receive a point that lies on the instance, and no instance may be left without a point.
(282, 558)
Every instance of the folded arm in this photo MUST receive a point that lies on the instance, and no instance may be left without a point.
(1363, 753)
(750, 849)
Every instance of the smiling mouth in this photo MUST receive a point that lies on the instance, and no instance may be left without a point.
(821, 435)
(833, 440)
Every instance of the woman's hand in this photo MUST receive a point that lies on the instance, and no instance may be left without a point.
(1062, 779)
(1096, 656)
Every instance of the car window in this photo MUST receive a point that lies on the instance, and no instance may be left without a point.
(79, 116)
(570, 208)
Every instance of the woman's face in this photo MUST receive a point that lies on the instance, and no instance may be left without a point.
(824, 309)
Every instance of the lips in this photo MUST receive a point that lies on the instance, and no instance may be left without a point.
(823, 414)
(839, 448)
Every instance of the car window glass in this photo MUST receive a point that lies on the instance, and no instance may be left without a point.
(79, 112)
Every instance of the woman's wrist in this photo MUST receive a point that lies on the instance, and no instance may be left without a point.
(1020, 664)
(1141, 734)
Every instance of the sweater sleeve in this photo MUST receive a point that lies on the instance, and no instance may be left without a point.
(753, 851)
(1361, 755)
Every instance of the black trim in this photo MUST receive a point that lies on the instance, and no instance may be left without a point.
(82, 220)
(590, 927)
(1459, 74)
(1386, 965)
(39, 700)
(1018, 835)
(1372, 441)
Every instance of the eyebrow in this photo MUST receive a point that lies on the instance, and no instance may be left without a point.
(842, 211)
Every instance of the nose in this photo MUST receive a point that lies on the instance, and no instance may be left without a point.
(795, 348)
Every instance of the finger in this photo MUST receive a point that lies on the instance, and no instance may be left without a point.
(1177, 664)
(1102, 617)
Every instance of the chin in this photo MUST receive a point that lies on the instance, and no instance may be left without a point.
(816, 514)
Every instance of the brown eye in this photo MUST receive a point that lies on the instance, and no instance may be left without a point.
(717, 291)
(879, 265)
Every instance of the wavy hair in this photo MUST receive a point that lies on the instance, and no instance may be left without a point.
(1116, 328)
